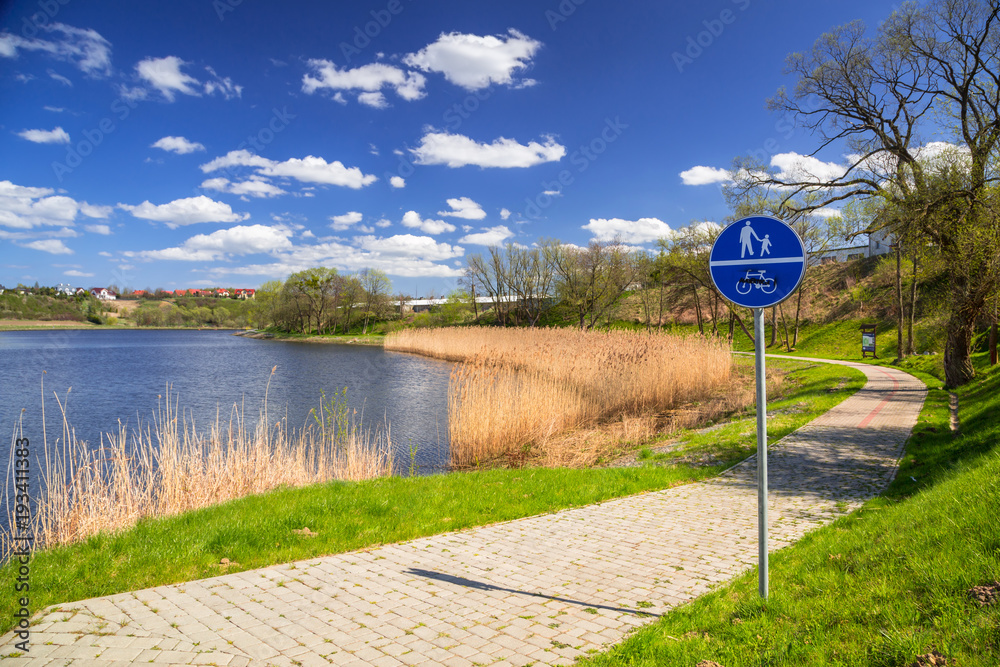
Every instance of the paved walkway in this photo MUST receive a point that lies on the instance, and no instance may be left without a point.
(541, 590)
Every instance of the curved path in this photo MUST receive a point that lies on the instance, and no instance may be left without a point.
(540, 590)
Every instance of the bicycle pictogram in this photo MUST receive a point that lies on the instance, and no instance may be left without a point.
(755, 279)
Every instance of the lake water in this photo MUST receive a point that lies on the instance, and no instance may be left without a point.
(118, 375)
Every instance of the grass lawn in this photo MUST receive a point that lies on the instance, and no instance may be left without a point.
(258, 531)
(883, 586)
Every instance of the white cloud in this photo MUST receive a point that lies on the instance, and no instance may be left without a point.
(796, 167)
(397, 182)
(345, 221)
(307, 170)
(165, 75)
(187, 211)
(413, 220)
(84, 48)
(103, 230)
(383, 223)
(239, 240)
(375, 99)
(408, 245)
(704, 175)
(504, 214)
(369, 79)
(24, 207)
(255, 186)
(95, 211)
(53, 246)
(56, 136)
(491, 236)
(473, 61)
(456, 150)
(78, 274)
(178, 145)
(643, 230)
(827, 212)
(463, 207)
(56, 76)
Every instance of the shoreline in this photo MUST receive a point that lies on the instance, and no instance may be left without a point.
(370, 339)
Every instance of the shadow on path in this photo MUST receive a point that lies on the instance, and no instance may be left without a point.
(479, 585)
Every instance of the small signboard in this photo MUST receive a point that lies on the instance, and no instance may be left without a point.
(868, 341)
(757, 262)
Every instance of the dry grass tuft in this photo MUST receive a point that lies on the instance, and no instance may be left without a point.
(543, 394)
(169, 468)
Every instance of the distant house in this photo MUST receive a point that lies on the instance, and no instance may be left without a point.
(65, 289)
(81, 292)
(834, 255)
(224, 293)
(241, 293)
(102, 293)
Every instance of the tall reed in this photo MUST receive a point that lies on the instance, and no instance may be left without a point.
(168, 467)
(516, 389)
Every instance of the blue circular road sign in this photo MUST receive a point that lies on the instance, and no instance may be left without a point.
(757, 262)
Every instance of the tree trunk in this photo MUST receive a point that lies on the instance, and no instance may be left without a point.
(697, 309)
(774, 326)
(910, 347)
(785, 325)
(475, 306)
(958, 369)
(798, 312)
(659, 320)
(739, 320)
(993, 342)
(900, 315)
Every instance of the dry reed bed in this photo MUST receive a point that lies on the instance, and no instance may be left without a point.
(169, 468)
(518, 391)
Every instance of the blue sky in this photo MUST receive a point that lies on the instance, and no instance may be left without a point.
(197, 143)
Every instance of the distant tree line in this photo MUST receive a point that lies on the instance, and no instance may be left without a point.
(323, 301)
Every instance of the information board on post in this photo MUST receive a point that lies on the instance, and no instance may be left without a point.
(758, 262)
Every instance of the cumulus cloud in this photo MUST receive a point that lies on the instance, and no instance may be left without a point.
(456, 150)
(53, 246)
(408, 245)
(368, 79)
(345, 221)
(189, 211)
(474, 61)
(413, 220)
(255, 186)
(75, 273)
(103, 230)
(704, 175)
(26, 208)
(307, 170)
(643, 230)
(826, 212)
(55, 136)
(397, 182)
(488, 237)
(504, 214)
(239, 240)
(84, 48)
(178, 145)
(165, 75)
(463, 207)
(796, 167)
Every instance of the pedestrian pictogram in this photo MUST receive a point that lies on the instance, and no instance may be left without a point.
(757, 262)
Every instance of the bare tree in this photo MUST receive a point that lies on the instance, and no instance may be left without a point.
(928, 65)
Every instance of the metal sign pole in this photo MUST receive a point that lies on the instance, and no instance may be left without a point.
(758, 325)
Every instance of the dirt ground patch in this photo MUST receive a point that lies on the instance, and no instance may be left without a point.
(44, 324)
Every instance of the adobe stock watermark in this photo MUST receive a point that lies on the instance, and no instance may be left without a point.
(697, 44)
(47, 11)
(362, 36)
(22, 541)
(562, 12)
(77, 152)
(581, 159)
(255, 142)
